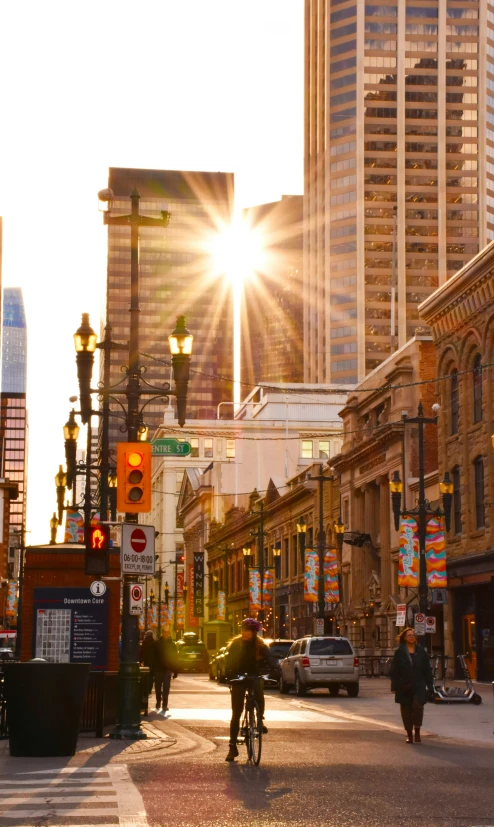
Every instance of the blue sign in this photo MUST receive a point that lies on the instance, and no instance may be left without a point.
(71, 626)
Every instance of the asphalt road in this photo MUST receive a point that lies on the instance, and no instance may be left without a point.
(325, 762)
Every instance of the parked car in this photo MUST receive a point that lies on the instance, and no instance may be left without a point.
(314, 662)
(221, 663)
(213, 663)
(279, 649)
(192, 654)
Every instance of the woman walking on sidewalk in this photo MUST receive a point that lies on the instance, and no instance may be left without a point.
(411, 681)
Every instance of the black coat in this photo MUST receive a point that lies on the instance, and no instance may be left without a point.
(407, 682)
(165, 655)
(147, 651)
(245, 657)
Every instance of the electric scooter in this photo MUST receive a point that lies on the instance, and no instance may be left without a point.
(455, 694)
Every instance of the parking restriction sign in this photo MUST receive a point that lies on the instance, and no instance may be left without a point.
(430, 625)
(419, 623)
(135, 604)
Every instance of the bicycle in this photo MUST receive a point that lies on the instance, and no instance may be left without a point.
(251, 726)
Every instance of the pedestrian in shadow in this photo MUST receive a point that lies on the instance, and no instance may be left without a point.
(146, 657)
(165, 666)
(411, 681)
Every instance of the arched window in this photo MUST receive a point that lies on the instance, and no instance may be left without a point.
(478, 467)
(455, 402)
(477, 388)
(456, 477)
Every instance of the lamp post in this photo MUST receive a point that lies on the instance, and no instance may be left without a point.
(321, 538)
(71, 432)
(112, 493)
(61, 484)
(277, 560)
(422, 511)
(301, 531)
(246, 551)
(53, 529)
(181, 348)
(159, 578)
(260, 533)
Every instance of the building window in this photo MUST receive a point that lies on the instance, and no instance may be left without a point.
(457, 500)
(194, 447)
(230, 449)
(178, 484)
(323, 449)
(307, 449)
(478, 466)
(294, 555)
(286, 557)
(208, 447)
(477, 388)
(455, 402)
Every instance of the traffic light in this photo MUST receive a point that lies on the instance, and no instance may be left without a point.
(97, 547)
(134, 468)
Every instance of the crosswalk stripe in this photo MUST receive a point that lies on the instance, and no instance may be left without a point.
(39, 812)
(104, 788)
(62, 799)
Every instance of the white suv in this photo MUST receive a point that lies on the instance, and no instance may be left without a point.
(320, 661)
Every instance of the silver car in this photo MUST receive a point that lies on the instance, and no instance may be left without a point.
(320, 661)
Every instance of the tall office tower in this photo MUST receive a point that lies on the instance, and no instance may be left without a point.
(398, 162)
(13, 415)
(272, 312)
(176, 276)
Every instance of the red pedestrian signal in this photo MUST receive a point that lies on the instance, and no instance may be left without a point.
(97, 547)
(134, 471)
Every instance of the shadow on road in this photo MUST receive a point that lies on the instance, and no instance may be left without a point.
(250, 784)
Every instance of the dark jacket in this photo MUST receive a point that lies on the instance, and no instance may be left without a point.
(165, 655)
(146, 655)
(411, 679)
(248, 657)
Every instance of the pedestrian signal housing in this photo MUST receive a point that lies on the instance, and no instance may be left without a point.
(134, 467)
(97, 547)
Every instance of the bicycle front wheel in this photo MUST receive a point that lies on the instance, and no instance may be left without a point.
(255, 734)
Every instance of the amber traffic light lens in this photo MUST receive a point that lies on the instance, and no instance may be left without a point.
(134, 459)
(135, 494)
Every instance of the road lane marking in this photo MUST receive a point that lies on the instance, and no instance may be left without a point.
(273, 715)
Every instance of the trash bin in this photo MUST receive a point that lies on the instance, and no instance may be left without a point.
(44, 706)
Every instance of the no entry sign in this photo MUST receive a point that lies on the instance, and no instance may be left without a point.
(137, 549)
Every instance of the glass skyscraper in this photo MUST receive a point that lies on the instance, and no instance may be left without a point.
(398, 165)
(175, 277)
(13, 415)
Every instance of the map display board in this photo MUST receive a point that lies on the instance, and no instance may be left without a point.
(71, 626)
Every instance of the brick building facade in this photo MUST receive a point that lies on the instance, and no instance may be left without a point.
(377, 442)
(461, 317)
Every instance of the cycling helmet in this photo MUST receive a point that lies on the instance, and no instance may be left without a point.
(251, 623)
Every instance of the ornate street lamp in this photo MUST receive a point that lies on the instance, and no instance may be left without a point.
(447, 488)
(181, 348)
(61, 484)
(301, 531)
(112, 492)
(396, 489)
(53, 529)
(277, 560)
(167, 593)
(85, 345)
(339, 530)
(71, 432)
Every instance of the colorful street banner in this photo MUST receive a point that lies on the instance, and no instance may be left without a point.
(153, 617)
(180, 612)
(95, 519)
(11, 602)
(268, 588)
(331, 582)
(254, 590)
(192, 618)
(408, 568)
(74, 526)
(435, 554)
(197, 586)
(311, 576)
(221, 609)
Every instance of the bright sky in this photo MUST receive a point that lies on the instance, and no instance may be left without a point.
(187, 84)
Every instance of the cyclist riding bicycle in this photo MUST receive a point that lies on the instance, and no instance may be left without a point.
(246, 655)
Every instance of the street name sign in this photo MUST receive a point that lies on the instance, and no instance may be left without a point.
(135, 603)
(137, 549)
(170, 447)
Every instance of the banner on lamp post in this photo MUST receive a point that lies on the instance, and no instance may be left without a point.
(180, 600)
(268, 587)
(254, 590)
(74, 526)
(198, 585)
(192, 619)
(408, 567)
(435, 554)
(12, 601)
(221, 608)
(331, 583)
(311, 576)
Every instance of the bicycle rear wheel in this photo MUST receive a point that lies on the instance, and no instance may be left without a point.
(255, 734)
(245, 731)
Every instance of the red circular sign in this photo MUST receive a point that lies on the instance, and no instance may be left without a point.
(419, 617)
(136, 593)
(138, 540)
